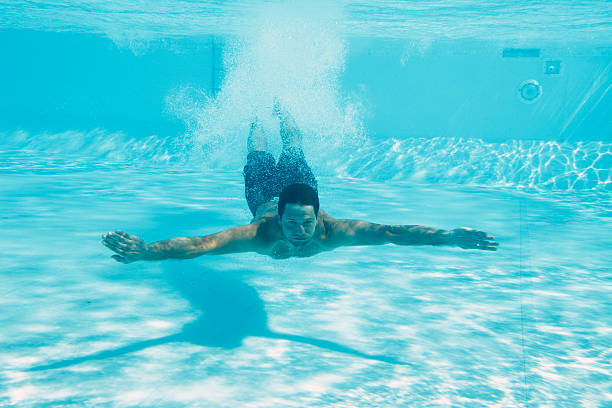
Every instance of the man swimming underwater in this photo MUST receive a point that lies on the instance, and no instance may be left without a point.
(293, 226)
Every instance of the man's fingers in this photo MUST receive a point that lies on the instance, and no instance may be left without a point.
(120, 241)
(119, 235)
(488, 245)
(113, 247)
(128, 247)
(120, 248)
(124, 234)
(109, 245)
(114, 243)
(468, 238)
(119, 259)
(114, 238)
(127, 237)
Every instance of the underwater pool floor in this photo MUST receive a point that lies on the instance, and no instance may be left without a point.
(388, 326)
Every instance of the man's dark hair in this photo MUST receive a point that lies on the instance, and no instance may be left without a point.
(298, 193)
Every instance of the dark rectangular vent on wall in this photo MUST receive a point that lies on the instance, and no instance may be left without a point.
(521, 53)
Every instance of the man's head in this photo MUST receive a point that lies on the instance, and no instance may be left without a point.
(298, 207)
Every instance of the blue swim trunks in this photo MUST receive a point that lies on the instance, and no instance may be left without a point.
(264, 179)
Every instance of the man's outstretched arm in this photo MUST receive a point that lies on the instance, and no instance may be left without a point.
(354, 232)
(130, 248)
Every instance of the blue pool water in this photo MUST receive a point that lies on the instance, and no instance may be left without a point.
(134, 116)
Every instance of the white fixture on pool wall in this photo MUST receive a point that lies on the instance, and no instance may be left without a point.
(530, 91)
(552, 67)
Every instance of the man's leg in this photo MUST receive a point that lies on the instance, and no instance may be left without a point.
(292, 166)
(260, 170)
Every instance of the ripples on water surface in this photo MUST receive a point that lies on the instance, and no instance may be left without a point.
(553, 22)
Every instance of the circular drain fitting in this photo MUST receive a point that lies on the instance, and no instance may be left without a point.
(530, 91)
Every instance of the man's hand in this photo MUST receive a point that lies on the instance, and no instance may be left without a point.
(129, 247)
(468, 238)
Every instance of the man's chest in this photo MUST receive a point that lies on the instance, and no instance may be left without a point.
(284, 250)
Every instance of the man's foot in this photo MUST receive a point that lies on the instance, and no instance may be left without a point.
(257, 139)
(276, 108)
(289, 131)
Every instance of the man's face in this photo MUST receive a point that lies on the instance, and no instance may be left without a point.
(298, 223)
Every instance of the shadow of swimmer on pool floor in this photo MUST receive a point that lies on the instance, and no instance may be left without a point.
(293, 226)
(230, 310)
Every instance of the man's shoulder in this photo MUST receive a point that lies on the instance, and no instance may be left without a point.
(331, 226)
(324, 216)
(337, 230)
(267, 227)
(323, 213)
(328, 221)
(266, 209)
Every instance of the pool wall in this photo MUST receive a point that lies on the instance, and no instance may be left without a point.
(59, 81)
